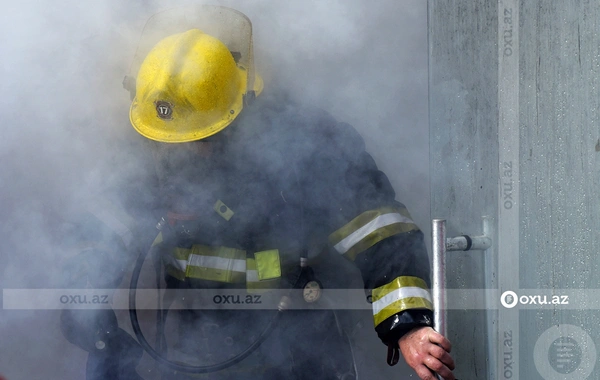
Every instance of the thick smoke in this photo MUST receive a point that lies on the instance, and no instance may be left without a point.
(65, 125)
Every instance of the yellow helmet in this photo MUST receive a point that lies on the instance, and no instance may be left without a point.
(190, 86)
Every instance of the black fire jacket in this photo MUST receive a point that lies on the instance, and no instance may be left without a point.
(288, 178)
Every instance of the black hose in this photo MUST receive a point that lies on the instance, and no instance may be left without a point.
(174, 365)
(214, 367)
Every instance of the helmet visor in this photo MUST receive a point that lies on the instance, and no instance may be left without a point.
(231, 27)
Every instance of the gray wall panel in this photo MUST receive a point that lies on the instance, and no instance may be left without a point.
(559, 168)
(559, 134)
(557, 45)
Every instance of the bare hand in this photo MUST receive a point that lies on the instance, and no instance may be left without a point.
(425, 350)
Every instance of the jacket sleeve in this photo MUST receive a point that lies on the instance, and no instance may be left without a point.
(377, 233)
(352, 209)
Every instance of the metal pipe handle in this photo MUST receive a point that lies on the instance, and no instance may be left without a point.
(439, 281)
(468, 243)
(441, 245)
(438, 278)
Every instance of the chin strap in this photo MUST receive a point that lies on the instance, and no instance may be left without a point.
(393, 354)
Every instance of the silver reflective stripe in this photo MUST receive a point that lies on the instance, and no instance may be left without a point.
(252, 275)
(397, 295)
(214, 262)
(381, 221)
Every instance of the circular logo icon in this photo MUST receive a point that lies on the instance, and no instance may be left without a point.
(564, 352)
(509, 299)
(565, 355)
(164, 109)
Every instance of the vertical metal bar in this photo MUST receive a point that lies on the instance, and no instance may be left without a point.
(439, 276)
(439, 280)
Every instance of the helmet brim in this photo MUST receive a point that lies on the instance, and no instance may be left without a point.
(146, 121)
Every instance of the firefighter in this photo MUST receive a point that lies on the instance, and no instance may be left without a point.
(259, 193)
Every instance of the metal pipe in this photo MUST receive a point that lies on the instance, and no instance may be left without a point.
(438, 278)
(441, 245)
(468, 243)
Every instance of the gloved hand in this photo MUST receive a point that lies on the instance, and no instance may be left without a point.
(425, 350)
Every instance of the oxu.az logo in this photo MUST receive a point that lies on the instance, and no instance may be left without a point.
(164, 109)
(510, 299)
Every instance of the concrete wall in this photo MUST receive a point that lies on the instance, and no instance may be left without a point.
(514, 134)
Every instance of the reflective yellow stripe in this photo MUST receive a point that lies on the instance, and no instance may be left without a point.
(263, 272)
(369, 228)
(252, 281)
(401, 294)
(267, 264)
(225, 264)
(217, 264)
